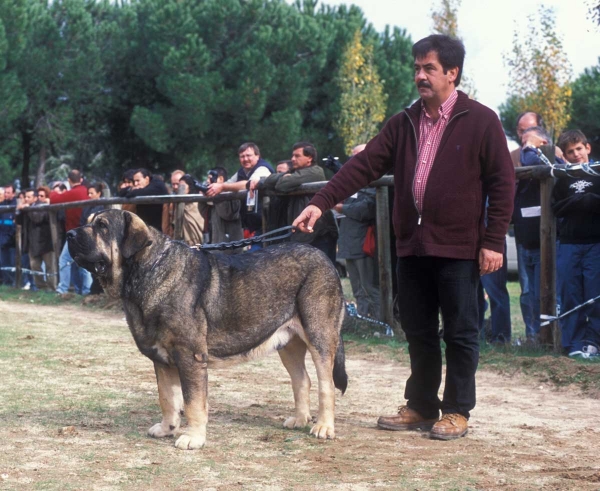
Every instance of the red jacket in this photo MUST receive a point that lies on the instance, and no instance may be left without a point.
(73, 215)
(472, 163)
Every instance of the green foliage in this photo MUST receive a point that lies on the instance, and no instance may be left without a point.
(585, 107)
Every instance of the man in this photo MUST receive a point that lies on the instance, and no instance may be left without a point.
(224, 217)
(359, 212)
(448, 154)
(305, 170)
(577, 205)
(168, 210)
(253, 168)
(7, 236)
(68, 270)
(144, 184)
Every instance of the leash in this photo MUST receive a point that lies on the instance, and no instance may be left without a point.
(264, 238)
(547, 319)
(352, 312)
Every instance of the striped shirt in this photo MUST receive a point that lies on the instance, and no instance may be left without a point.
(430, 136)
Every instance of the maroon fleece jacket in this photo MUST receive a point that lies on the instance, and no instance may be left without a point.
(472, 163)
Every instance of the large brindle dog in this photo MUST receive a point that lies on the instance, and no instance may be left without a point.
(190, 310)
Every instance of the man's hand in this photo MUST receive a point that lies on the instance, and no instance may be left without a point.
(253, 185)
(339, 207)
(214, 189)
(489, 261)
(306, 220)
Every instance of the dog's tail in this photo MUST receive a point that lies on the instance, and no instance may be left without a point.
(340, 377)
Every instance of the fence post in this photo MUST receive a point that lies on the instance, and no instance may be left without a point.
(549, 335)
(18, 255)
(53, 219)
(384, 258)
(179, 212)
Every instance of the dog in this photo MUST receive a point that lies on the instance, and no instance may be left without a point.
(189, 310)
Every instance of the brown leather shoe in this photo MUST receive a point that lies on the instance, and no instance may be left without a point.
(450, 427)
(406, 419)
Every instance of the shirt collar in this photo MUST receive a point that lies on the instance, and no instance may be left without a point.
(445, 108)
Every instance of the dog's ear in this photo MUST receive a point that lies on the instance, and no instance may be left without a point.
(135, 235)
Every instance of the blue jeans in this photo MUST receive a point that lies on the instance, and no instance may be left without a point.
(495, 286)
(427, 285)
(529, 278)
(578, 280)
(68, 272)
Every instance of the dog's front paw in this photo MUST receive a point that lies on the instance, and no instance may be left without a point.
(294, 422)
(158, 431)
(190, 442)
(323, 431)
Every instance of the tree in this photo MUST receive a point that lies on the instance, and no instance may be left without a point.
(540, 72)
(585, 106)
(362, 100)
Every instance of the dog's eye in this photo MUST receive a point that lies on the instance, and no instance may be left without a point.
(102, 224)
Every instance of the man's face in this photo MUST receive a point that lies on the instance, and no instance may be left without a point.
(248, 159)
(29, 197)
(578, 153)
(1, 195)
(528, 120)
(299, 160)
(431, 81)
(9, 193)
(175, 181)
(282, 168)
(42, 196)
(139, 181)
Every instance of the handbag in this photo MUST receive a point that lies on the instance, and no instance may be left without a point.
(370, 243)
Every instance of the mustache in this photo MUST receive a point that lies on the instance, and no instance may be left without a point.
(424, 84)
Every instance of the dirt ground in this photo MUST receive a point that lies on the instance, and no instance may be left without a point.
(77, 399)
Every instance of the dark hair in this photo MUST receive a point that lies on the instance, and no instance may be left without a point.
(308, 150)
(30, 190)
(10, 185)
(60, 185)
(247, 145)
(128, 175)
(571, 137)
(539, 131)
(144, 172)
(221, 172)
(286, 162)
(450, 51)
(190, 181)
(74, 176)
(97, 186)
(538, 119)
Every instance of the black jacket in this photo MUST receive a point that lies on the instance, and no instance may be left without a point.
(151, 214)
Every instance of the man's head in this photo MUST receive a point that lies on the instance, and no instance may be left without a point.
(30, 196)
(536, 136)
(74, 178)
(284, 166)
(304, 154)
(575, 147)
(127, 179)
(358, 148)
(221, 173)
(141, 178)
(527, 119)
(176, 176)
(438, 64)
(1, 194)
(43, 193)
(9, 192)
(248, 154)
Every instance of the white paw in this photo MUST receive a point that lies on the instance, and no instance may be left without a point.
(190, 442)
(323, 431)
(293, 422)
(157, 431)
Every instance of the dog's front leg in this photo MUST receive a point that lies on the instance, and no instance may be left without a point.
(194, 383)
(170, 399)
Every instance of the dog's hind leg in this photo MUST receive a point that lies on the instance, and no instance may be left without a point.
(170, 399)
(293, 356)
(324, 428)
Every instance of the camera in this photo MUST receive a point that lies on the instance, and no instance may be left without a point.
(195, 184)
(332, 163)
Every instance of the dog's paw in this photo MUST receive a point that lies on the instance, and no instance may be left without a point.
(293, 422)
(158, 431)
(190, 442)
(323, 431)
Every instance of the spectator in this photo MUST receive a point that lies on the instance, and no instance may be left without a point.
(94, 191)
(125, 185)
(448, 154)
(577, 206)
(39, 242)
(68, 270)
(253, 168)
(168, 212)
(26, 199)
(146, 185)
(7, 236)
(278, 205)
(305, 170)
(359, 212)
(193, 222)
(224, 217)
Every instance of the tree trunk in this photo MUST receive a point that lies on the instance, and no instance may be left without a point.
(26, 141)
(41, 172)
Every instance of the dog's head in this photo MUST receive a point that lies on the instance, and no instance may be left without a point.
(102, 245)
